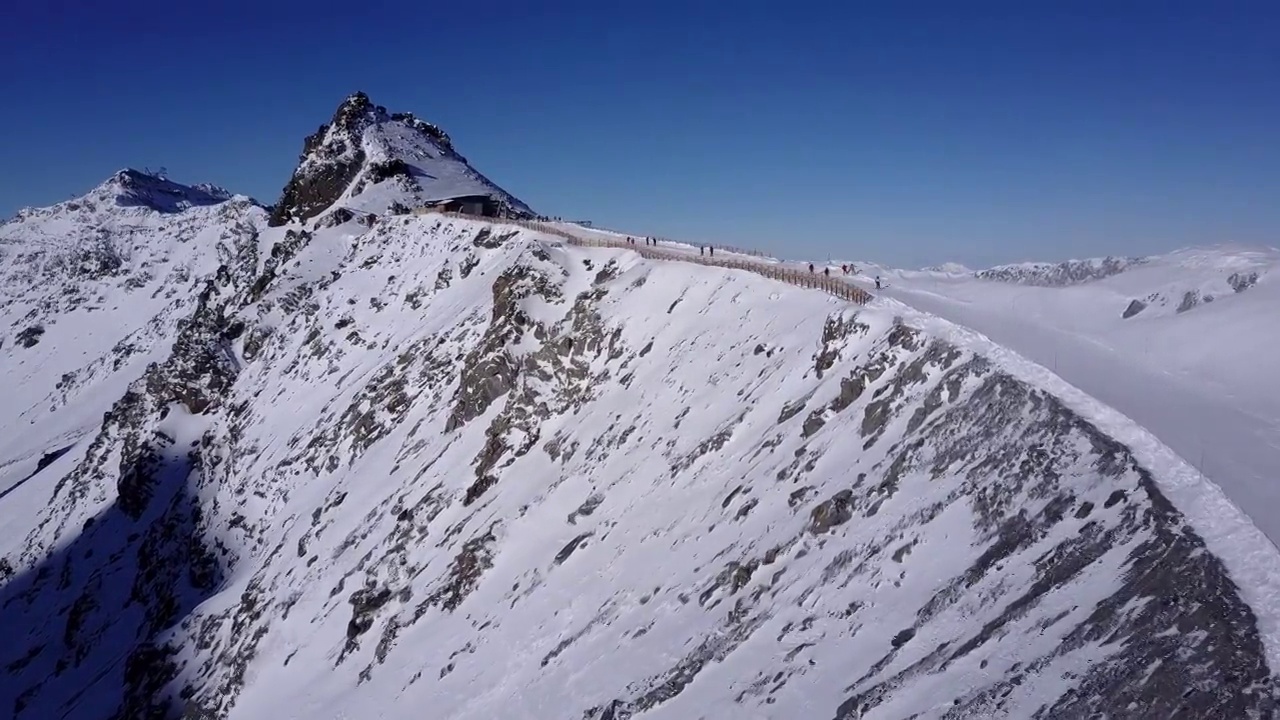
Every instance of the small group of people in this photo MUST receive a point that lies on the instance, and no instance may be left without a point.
(707, 250)
(846, 269)
(647, 241)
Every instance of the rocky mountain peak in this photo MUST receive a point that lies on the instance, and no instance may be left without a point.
(364, 147)
(354, 114)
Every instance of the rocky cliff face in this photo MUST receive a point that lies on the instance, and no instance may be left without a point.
(368, 160)
(437, 463)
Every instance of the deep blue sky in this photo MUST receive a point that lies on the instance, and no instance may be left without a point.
(913, 134)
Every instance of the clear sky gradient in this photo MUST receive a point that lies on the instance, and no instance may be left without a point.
(914, 134)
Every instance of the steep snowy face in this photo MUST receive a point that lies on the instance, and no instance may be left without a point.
(1069, 272)
(92, 289)
(439, 463)
(367, 160)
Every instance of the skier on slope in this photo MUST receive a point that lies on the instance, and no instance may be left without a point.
(877, 282)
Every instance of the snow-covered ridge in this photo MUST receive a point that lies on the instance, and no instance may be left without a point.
(452, 464)
(126, 189)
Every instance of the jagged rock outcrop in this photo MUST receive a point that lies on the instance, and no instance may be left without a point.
(331, 158)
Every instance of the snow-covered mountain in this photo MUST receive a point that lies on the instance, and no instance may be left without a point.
(949, 268)
(1060, 274)
(448, 468)
(367, 160)
(93, 289)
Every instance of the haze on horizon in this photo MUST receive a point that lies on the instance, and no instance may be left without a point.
(908, 136)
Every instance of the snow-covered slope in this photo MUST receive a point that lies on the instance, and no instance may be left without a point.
(1192, 362)
(91, 291)
(444, 467)
(367, 160)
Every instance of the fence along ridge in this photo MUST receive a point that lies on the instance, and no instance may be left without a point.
(834, 286)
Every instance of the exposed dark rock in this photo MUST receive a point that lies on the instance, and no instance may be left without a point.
(490, 240)
(838, 510)
(335, 217)
(571, 547)
(364, 604)
(792, 409)
(1189, 300)
(30, 337)
(1240, 282)
(387, 169)
(587, 508)
(464, 574)
(490, 371)
(1135, 307)
(331, 158)
(834, 334)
